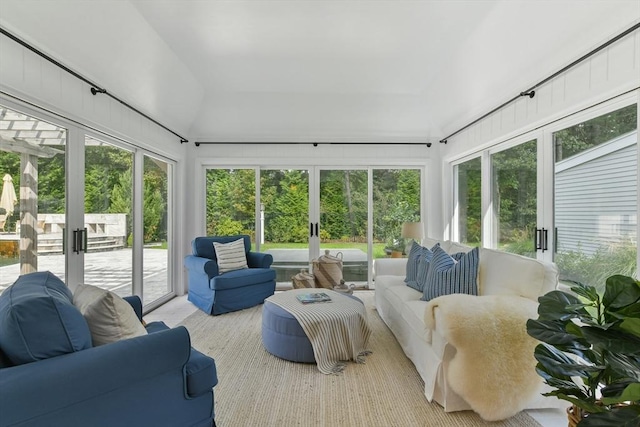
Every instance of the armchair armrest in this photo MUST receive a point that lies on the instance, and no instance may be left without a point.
(49, 385)
(390, 267)
(134, 301)
(259, 260)
(201, 265)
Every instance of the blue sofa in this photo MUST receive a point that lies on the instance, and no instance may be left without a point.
(51, 375)
(216, 293)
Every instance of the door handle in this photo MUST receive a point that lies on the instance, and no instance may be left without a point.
(317, 235)
(538, 239)
(545, 239)
(80, 240)
(310, 229)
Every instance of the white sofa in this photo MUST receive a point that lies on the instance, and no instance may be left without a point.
(424, 330)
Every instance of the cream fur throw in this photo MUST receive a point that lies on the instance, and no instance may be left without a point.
(493, 368)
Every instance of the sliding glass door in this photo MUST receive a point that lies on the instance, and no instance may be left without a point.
(596, 197)
(343, 221)
(69, 206)
(297, 214)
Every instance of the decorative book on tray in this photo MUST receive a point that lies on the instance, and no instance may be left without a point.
(313, 297)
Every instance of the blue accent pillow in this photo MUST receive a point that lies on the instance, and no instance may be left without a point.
(446, 276)
(38, 320)
(415, 253)
(423, 268)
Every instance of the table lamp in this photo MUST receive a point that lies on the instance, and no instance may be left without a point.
(413, 231)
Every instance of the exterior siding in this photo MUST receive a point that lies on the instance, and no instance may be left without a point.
(596, 200)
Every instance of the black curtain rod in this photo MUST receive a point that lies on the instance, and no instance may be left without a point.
(531, 91)
(315, 144)
(95, 89)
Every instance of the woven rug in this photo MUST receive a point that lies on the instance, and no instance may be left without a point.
(258, 389)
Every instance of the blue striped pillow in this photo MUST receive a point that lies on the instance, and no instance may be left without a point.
(446, 276)
(412, 265)
(423, 268)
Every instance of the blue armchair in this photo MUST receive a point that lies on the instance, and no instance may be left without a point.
(151, 380)
(216, 293)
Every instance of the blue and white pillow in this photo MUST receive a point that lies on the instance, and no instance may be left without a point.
(423, 268)
(413, 259)
(446, 276)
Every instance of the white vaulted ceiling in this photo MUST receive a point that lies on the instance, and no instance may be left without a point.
(305, 70)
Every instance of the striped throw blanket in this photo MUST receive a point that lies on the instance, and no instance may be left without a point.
(338, 330)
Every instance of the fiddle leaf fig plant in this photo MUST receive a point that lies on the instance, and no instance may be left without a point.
(590, 350)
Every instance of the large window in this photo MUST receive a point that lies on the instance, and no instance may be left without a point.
(596, 204)
(303, 212)
(514, 198)
(468, 203)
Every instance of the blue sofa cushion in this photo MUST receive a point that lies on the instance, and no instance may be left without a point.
(202, 375)
(38, 320)
(241, 278)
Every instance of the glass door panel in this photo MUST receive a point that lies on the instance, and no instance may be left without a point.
(284, 198)
(32, 214)
(514, 198)
(396, 200)
(108, 216)
(595, 198)
(155, 254)
(343, 221)
(231, 198)
(469, 201)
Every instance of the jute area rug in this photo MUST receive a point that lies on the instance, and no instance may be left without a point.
(258, 389)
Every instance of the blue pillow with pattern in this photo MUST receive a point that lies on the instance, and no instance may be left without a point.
(413, 259)
(448, 276)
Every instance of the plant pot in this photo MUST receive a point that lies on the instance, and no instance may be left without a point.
(396, 254)
(575, 415)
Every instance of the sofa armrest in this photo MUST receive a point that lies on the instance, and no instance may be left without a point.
(201, 265)
(259, 260)
(134, 301)
(390, 267)
(50, 385)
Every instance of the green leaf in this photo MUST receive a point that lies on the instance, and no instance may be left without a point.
(554, 332)
(588, 292)
(557, 364)
(620, 291)
(613, 340)
(622, 366)
(625, 416)
(553, 306)
(631, 393)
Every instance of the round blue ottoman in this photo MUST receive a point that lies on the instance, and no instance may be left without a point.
(283, 336)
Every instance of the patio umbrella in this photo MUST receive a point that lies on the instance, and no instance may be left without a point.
(8, 199)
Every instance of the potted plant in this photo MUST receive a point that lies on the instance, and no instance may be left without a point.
(590, 351)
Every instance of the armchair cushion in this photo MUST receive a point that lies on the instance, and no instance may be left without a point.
(110, 317)
(38, 320)
(231, 256)
(241, 278)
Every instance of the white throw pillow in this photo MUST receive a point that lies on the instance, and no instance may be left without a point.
(231, 256)
(110, 317)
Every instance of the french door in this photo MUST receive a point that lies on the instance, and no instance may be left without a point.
(80, 210)
(297, 214)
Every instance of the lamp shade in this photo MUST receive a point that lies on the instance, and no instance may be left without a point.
(412, 230)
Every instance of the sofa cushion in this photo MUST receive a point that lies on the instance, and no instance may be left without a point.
(446, 276)
(413, 260)
(110, 317)
(203, 246)
(423, 268)
(231, 256)
(241, 278)
(38, 320)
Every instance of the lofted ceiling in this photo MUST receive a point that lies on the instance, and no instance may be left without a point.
(316, 70)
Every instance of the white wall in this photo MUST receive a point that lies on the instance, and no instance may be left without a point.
(28, 79)
(609, 73)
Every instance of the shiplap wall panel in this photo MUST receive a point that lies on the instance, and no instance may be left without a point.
(596, 202)
(27, 76)
(615, 68)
